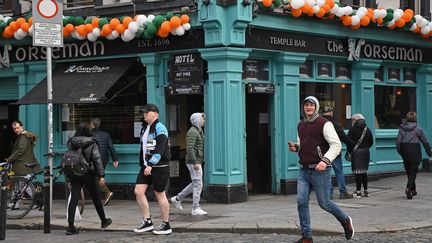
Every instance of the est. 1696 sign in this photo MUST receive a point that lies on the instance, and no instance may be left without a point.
(47, 23)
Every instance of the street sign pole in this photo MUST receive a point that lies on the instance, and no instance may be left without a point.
(48, 32)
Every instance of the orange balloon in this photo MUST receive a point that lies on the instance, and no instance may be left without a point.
(267, 3)
(114, 22)
(400, 23)
(306, 8)
(165, 26)
(331, 16)
(392, 27)
(8, 31)
(30, 21)
(330, 3)
(296, 12)
(321, 13)
(20, 21)
(66, 33)
(326, 7)
(89, 27)
(409, 11)
(127, 20)
(25, 26)
(379, 21)
(184, 19)
(81, 30)
(95, 22)
(106, 30)
(164, 34)
(175, 22)
(407, 17)
(310, 12)
(346, 20)
(355, 27)
(70, 28)
(417, 30)
(14, 25)
(365, 21)
(425, 36)
(120, 28)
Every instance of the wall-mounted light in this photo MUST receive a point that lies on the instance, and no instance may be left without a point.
(398, 92)
(246, 3)
(343, 86)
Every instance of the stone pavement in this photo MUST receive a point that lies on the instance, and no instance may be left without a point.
(386, 210)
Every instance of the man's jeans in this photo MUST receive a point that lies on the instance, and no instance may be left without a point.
(195, 187)
(340, 177)
(309, 178)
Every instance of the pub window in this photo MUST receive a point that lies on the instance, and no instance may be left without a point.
(325, 70)
(306, 69)
(343, 71)
(335, 95)
(405, 4)
(120, 116)
(392, 103)
(425, 9)
(409, 75)
(379, 74)
(393, 74)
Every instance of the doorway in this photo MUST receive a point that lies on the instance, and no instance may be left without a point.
(258, 143)
(8, 114)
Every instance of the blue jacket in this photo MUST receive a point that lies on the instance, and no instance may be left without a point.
(158, 148)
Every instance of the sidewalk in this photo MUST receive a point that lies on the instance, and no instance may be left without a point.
(387, 209)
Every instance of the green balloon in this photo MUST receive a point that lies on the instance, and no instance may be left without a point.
(71, 20)
(409, 24)
(277, 3)
(65, 21)
(151, 28)
(121, 19)
(388, 17)
(169, 15)
(102, 22)
(158, 20)
(390, 10)
(88, 20)
(147, 35)
(9, 21)
(79, 20)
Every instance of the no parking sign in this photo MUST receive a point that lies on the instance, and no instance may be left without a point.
(47, 23)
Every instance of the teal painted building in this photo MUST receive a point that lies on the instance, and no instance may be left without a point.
(257, 66)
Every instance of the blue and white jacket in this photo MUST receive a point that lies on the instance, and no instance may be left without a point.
(158, 147)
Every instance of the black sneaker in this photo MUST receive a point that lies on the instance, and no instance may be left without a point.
(105, 223)
(304, 239)
(71, 231)
(163, 229)
(145, 226)
(348, 228)
(414, 193)
(408, 194)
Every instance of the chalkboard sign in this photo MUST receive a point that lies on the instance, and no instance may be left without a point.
(186, 69)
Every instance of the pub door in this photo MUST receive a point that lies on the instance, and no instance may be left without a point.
(8, 114)
(179, 110)
(258, 143)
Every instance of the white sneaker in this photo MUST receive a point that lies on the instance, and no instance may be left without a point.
(176, 203)
(198, 211)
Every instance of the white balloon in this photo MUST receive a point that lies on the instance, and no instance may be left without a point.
(296, 4)
(80, 37)
(115, 34)
(91, 37)
(376, 13)
(320, 3)
(179, 31)
(5, 19)
(340, 12)
(361, 12)
(311, 2)
(399, 11)
(355, 20)
(418, 19)
(413, 27)
(74, 34)
(133, 26)
(316, 9)
(186, 26)
(129, 34)
(141, 19)
(173, 31)
(391, 23)
(348, 10)
(260, 0)
(18, 36)
(425, 30)
(383, 13)
(424, 23)
(124, 38)
(396, 16)
(96, 32)
(334, 9)
(31, 31)
(150, 18)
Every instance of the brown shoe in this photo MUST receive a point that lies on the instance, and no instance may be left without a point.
(346, 195)
(108, 198)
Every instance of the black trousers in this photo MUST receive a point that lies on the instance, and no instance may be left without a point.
(411, 168)
(89, 182)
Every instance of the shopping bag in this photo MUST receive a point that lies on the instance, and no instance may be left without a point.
(77, 211)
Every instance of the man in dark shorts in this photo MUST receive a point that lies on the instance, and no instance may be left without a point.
(154, 162)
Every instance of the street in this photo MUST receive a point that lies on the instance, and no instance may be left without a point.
(24, 236)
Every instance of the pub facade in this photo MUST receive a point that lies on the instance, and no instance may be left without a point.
(248, 69)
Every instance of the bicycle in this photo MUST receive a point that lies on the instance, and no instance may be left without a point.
(23, 194)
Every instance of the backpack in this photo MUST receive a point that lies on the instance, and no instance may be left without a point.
(75, 163)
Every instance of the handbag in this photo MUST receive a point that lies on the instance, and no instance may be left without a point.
(348, 155)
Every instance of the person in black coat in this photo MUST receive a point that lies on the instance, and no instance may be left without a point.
(83, 139)
(361, 156)
(105, 145)
(408, 146)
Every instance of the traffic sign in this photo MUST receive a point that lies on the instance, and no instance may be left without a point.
(47, 23)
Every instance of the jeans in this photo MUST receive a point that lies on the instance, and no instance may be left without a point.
(340, 177)
(308, 179)
(195, 187)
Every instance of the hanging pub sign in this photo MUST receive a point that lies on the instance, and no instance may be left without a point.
(186, 73)
(260, 88)
(254, 69)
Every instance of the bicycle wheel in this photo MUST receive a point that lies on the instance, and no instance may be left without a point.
(81, 201)
(20, 193)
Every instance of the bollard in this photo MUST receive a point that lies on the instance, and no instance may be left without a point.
(3, 203)
(46, 190)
